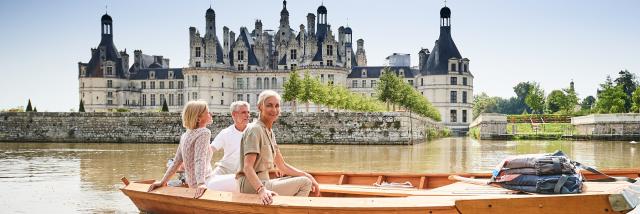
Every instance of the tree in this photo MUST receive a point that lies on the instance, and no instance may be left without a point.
(627, 81)
(29, 108)
(571, 99)
(388, 87)
(35, 109)
(292, 89)
(587, 103)
(165, 108)
(522, 91)
(611, 99)
(309, 88)
(556, 101)
(483, 104)
(635, 99)
(81, 108)
(535, 99)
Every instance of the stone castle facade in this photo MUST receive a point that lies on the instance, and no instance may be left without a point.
(221, 71)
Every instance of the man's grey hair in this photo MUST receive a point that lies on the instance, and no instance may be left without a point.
(235, 105)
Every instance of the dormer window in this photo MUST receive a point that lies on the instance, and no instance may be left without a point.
(170, 74)
(364, 73)
(453, 67)
(152, 74)
(240, 55)
(109, 70)
(402, 72)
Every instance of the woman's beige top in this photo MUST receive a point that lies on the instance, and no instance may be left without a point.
(258, 139)
(194, 151)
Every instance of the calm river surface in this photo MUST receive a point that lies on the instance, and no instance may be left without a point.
(84, 178)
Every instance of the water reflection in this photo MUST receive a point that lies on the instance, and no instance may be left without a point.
(84, 178)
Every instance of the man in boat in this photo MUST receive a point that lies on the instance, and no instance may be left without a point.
(228, 139)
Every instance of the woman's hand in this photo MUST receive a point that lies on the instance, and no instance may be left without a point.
(200, 191)
(315, 187)
(266, 196)
(155, 185)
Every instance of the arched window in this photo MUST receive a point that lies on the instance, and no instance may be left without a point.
(274, 82)
(259, 83)
(266, 83)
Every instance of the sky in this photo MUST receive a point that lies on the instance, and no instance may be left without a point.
(507, 41)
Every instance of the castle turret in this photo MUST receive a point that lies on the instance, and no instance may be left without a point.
(311, 23)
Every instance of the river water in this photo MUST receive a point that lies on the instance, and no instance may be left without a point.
(85, 178)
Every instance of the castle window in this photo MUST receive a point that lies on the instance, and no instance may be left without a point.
(266, 83)
(401, 72)
(221, 102)
(364, 83)
(454, 97)
(194, 95)
(354, 83)
(240, 83)
(274, 82)
(259, 83)
(293, 66)
(240, 67)
(162, 99)
(171, 99)
(180, 85)
(454, 80)
(161, 84)
(239, 97)
(83, 85)
(454, 116)
(364, 73)
(109, 83)
(464, 81)
(453, 67)
(464, 97)
(152, 74)
(329, 62)
(153, 100)
(466, 68)
(198, 64)
(240, 55)
(109, 70)
(330, 76)
(152, 85)
(170, 84)
(322, 78)
(329, 50)
(373, 83)
(197, 51)
(410, 82)
(109, 94)
(144, 100)
(285, 67)
(180, 99)
(143, 85)
(294, 54)
(109, 102)
(464, 116)
(170, 74)
(421, 81)
(248, 98)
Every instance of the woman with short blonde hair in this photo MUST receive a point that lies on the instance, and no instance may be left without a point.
(194, 153)
(260, 153)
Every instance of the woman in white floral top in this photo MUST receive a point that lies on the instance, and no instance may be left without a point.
(194, 152)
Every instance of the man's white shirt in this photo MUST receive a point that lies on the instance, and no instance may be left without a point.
(229, 141)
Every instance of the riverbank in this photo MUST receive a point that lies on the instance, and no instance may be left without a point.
(397, 128)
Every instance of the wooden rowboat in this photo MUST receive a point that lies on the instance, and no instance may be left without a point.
(361, 193)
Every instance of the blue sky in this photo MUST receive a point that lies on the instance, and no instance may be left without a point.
(551, 42)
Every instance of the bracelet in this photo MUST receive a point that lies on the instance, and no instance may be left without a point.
(261, 187)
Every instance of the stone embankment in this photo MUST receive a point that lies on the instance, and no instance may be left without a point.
(158, 127)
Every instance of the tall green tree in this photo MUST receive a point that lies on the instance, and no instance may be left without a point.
(309, 89)
(587, 103)
(29, 108)
(388, 87)
(611, 98)
(571, 99)
(556, 101)
(35, 109)
(81, 108)
(292, 89)
(628, 82)
(522, 91)
(165, 107)
(535, 99)
(482, 103)
(635, 99)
